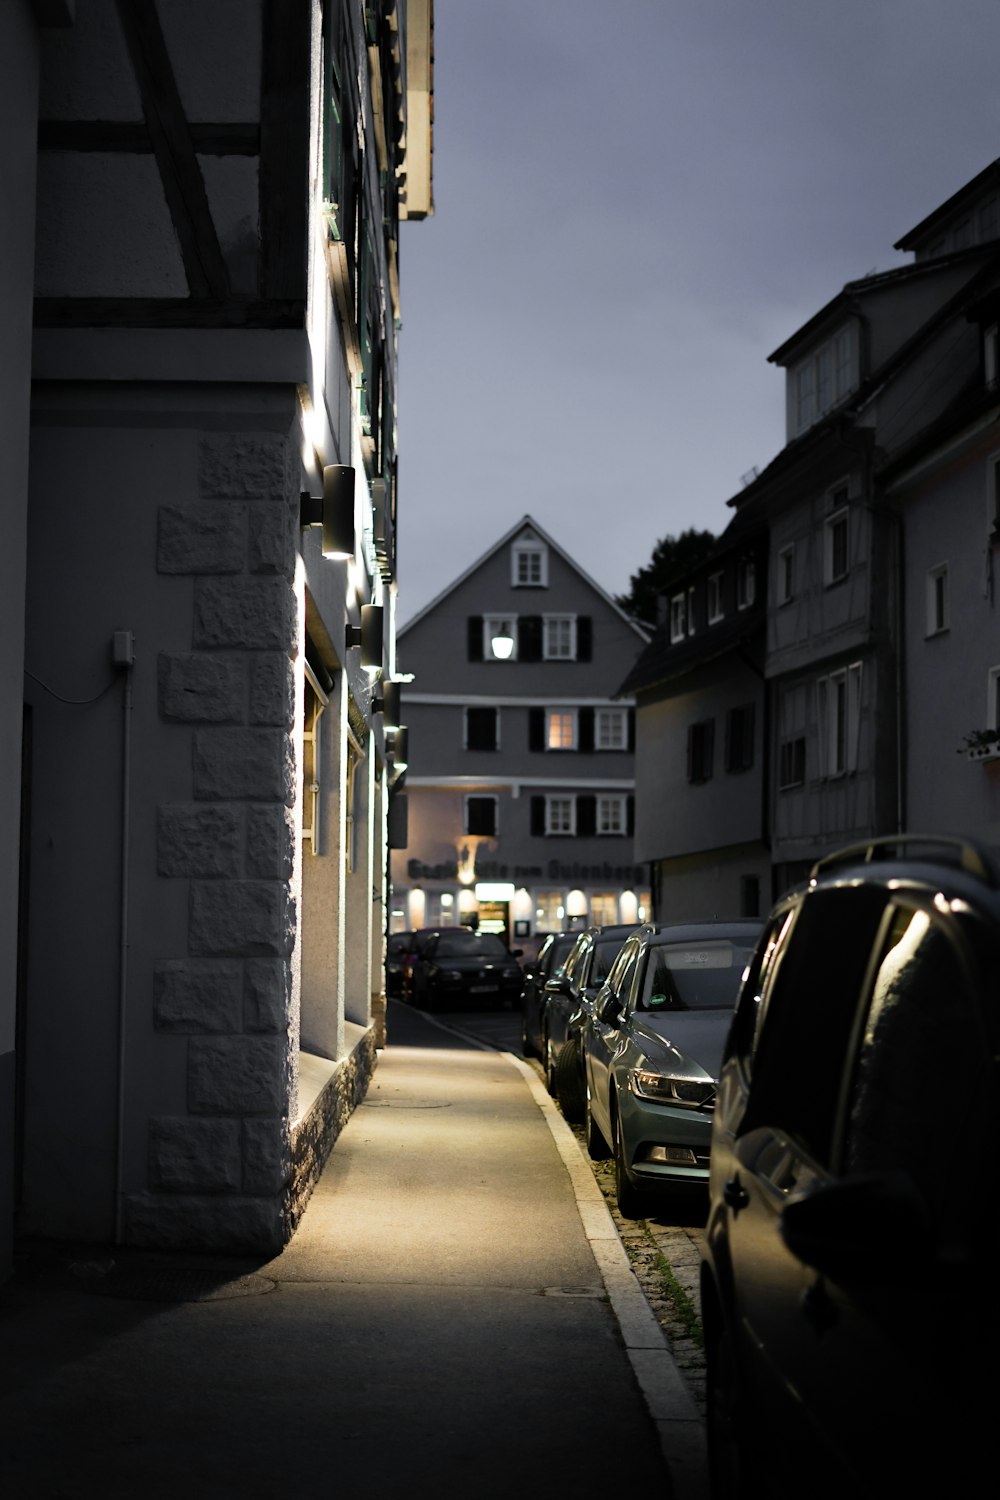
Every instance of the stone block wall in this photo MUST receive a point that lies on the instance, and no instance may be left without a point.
(220, 1175)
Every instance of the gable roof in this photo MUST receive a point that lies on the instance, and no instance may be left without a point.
(526, 523)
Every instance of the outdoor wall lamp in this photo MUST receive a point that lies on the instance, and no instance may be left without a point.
(386, 703)
(399, 749)
(333, 510)
(367, 635)
(502, 644)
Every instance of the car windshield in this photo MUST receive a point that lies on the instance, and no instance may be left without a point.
(467, 944)
(696, 976)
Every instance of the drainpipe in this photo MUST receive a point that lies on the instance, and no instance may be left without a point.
(123, 656)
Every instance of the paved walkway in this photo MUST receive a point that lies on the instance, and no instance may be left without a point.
(455, 1315)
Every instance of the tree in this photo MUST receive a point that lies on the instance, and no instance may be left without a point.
(673, 556)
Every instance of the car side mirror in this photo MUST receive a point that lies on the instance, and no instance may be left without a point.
(608, 1009)
(870, 1228)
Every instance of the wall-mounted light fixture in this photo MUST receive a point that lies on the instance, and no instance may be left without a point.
(333, 510)
(386, 703)
(367, 635)
(400, 748)
(502, 644)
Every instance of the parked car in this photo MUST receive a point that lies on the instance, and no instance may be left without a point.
(453, 965)
(397, 946)
(652, 1050)
(568, 995)
(848, 1277)
(554, 950)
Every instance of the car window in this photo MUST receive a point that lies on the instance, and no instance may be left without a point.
(577, 957)
(462, 941)
(605, 953)
(692, 976)
(808, 1011)
(923, 1056)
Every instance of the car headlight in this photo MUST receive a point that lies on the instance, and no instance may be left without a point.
(685, 1093)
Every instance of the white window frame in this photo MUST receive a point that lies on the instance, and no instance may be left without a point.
(785, 582)
(839, 721)
(494, 625)
(690, 611)
(678, 618)
(523, 551)
(836, 518)
(313, 744)
(937, 600)
(993, 698)
(820, 381)
(569, 714)
(746, 583)
(480, 797)
(611, 818)
(716, 610)
(610, 728)
(556, 623)
(568, 806)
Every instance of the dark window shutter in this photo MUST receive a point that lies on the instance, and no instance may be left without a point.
(584, 638)
(398, 821)
(585, 729)
(538, 817)
(529, 638)
(481, 729)
(631, 730)
(586, 817)
(475, 637)
(692, 749)
(709, 749)
(630, 814)
(748, 738)
(536, 729)
(481, 815)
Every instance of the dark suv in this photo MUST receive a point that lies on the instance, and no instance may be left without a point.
(848, 1287)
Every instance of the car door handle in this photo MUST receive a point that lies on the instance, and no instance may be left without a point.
(818, 1306)
(735, 1195)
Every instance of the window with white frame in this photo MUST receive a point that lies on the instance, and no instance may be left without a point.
(823, 379)
(610, 728)
(560, 815)
(791, 763)
(835, 548)
(559, 637)
(611, 814)
(716, 611)
(529, 565)
(839, 719)
(678, 618)
(560, 729)
(549, 911)
(937, 599)
(604, 908)
(993, 698)
(502, 628)
(746, 583)
(690, 612)
(481, 815)
(786, 575)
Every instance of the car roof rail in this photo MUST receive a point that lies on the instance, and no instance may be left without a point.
(932, 848)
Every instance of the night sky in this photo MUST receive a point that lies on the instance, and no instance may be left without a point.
(636, 202)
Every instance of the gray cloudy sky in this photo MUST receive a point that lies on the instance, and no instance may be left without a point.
(636, 202)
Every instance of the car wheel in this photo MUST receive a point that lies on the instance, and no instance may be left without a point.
(570, 1090)
(630, 1199)
(729, 1470)
(597, 1146)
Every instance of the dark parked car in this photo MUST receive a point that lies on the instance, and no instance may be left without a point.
(849, 1273)
(396, 948)
(556, 947)
(454, 965)
(567, 998)
(652, 1051)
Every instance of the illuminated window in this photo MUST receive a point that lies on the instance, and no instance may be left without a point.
(604, 908)
(549, 911)
(560, 729)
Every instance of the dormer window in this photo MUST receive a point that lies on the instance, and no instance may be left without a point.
(823, 379)
(529, 564)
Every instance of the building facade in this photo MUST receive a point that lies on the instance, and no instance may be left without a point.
(519, 786)
(194, 917)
